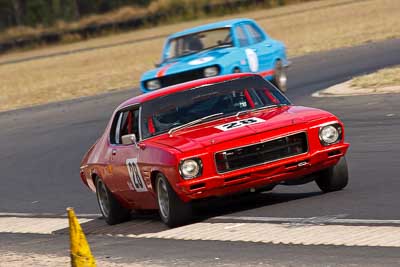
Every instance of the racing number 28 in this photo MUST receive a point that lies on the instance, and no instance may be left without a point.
(240, 123)
(134, 174)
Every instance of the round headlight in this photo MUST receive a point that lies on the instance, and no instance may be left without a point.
(210, 71)
(153, 85)
(190, 168)
(329, 134)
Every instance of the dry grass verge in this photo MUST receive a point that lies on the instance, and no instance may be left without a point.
(157, 12)
(382, 78)
(304, 28)
(385, 81)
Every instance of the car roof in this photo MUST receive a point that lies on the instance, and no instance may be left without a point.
(210, 26)
(182, 87)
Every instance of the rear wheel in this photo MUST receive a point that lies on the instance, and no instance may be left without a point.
(173, 211)
(113, 212)
(280, 76)
(334, 178)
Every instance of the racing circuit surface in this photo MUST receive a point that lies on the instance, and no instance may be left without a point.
(41, 149)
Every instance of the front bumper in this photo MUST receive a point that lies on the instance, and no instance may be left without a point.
(255, 177)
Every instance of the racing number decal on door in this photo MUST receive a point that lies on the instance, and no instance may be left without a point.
(252, 58)
(136, 177)
(237, 124)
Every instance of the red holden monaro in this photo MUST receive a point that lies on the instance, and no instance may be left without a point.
(207, 138)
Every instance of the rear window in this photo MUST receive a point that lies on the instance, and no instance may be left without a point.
(255, 33)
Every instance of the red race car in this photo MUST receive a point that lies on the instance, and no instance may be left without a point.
(207, 138)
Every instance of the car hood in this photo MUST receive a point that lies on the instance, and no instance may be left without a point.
(218, 131)
(189, 62)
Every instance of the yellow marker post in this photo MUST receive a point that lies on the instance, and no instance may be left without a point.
(81, 256)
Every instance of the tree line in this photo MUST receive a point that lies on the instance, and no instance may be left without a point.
(47, 12)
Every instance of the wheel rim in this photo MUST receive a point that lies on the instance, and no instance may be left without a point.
(282, 79)
(103, 199)
(163, 198)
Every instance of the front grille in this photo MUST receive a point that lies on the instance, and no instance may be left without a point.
(181, 77)
(252, 155)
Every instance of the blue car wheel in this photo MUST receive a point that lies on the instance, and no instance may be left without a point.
(280, 76)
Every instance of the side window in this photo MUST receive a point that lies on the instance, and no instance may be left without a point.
(255, 33)
(172, 49)
(125, 122)
(241, 36)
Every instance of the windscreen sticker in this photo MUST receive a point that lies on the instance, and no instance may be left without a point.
(238, 124)
(136, 177)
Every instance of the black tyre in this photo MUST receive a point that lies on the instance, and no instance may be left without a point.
(236, 70)
(280, 76)
(173, 211)
(113, 212)
(334, 178)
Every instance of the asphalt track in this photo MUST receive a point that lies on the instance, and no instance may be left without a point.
(41, 149)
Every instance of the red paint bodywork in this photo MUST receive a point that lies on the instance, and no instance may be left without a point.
(163, 153)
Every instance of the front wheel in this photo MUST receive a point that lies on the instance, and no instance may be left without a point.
(334, 178)
(113, 212)
(173, 211)
(280, 76)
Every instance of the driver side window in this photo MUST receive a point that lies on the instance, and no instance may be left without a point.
(125, 122)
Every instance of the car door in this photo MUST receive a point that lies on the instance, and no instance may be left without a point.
(125, 158)
(249, 58)
(261, 46)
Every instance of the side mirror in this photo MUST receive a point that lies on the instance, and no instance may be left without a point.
(129, 139)
(157, 65)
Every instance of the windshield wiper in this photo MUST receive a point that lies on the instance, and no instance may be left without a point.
(172, 130)
(242, 112)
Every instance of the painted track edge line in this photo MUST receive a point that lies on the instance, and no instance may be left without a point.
(311, 220)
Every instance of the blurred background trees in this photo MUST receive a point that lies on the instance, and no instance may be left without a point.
(47, 12)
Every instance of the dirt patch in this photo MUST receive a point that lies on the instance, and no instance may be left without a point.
(12, 259)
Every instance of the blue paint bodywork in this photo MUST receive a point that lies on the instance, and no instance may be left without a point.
(226, 59)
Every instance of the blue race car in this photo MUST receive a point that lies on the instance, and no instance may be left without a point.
(230, 46)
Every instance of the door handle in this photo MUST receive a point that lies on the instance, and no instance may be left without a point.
(114, 152)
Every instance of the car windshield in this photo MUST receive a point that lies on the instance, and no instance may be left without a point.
(234, 97)
(193, 43)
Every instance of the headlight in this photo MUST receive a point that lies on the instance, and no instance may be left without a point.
(330, 134)
(153, 84)
(190, 168)
(210, 71)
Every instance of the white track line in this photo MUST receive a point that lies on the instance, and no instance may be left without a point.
(34, 225)
(49, 215)
(311, 220)
(299, 231)
(337, 235)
